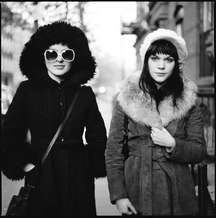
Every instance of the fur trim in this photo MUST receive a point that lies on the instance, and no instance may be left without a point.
(169, 35)
(12, 165)
(13, 161)
(143, 110)
(32, 63)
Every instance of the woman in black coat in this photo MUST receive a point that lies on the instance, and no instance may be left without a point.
(57, 62)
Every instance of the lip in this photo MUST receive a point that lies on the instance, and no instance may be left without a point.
(160, 74)
(59, 66)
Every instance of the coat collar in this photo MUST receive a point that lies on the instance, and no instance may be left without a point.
(142, 110)
(75, 80)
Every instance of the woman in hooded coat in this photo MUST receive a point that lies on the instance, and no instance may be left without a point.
(164, 133)
(57, 62)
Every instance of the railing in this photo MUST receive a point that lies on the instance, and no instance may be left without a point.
(199, 171)
(205, 203)
(207, 104)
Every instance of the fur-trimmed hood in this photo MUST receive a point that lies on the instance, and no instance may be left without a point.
(32, 63)
(143, 110)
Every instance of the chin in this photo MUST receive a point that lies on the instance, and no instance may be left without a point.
(160, 81)
(59, 73)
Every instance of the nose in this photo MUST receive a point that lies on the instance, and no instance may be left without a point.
(161, 64)
(59, 58)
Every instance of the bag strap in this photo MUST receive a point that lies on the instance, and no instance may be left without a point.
(125, 150)
(61, 126)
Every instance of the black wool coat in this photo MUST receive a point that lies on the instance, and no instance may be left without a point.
(65, 182)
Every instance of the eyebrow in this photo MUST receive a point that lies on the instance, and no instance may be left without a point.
(56, 49)
(157, 54)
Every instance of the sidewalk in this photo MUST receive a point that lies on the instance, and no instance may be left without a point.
(103, 205)
(211, 180)
(9, 188)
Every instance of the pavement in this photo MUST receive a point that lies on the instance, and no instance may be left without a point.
(9, 188)
(103, 205)
(211, 180)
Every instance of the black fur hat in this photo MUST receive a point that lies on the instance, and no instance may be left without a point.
(32, 62)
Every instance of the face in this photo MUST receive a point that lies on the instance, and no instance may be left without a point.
(57, 67)
(160, 67)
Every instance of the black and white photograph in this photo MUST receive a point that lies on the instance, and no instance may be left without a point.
(107, 108)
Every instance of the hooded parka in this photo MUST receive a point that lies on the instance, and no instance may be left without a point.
(65, 184)
(155, 181)
(65, 181)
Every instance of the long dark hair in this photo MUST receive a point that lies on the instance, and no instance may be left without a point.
(174, 84)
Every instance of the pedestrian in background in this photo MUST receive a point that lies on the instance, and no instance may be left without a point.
(165, 133)
(57, 62)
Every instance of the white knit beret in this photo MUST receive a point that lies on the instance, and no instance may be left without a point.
(169, 35)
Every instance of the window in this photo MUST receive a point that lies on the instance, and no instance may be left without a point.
(207, 13)
(206, 39)
(206, 76)
(179, 17)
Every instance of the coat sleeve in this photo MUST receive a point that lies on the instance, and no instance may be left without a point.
(191, 148)
(14, 149)
(114, 156)
(96, 137)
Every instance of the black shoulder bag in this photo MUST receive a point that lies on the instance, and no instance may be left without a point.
(19, 203)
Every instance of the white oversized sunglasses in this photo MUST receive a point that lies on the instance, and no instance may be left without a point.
(67, 55)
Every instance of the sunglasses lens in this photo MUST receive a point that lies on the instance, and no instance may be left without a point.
(68, 55)
(51, 55)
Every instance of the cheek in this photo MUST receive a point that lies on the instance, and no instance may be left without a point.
(170, 68)
(68, 66)
(150, 66)
(48, 65)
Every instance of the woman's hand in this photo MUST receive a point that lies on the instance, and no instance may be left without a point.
(28, 167)
(163, 138)
(124, 206)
